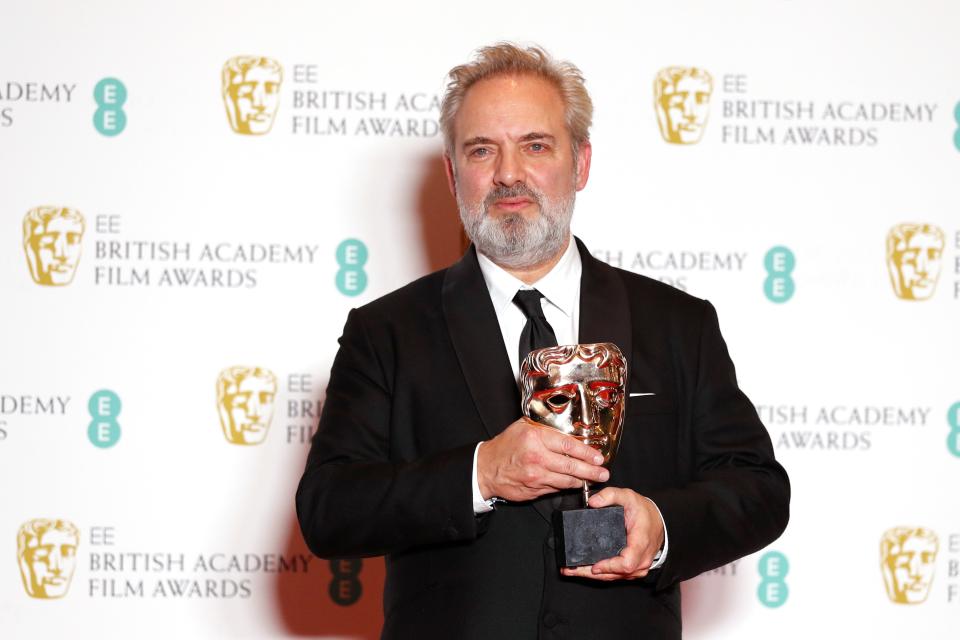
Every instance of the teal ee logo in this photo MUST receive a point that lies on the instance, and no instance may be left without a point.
(773, 589)
(779, 263)
(109, 118)
(345, 588)
(953, 419)
(104, 430)
(956, 134)
(351, 278)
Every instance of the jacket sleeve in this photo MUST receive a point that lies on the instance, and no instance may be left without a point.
(355, 498)
(737, 498)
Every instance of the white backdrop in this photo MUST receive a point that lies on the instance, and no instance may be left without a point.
(183, 533)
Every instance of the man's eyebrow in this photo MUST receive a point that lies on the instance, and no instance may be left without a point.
(536, 135)
(477, 140)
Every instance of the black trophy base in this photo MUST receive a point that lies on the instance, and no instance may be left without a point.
(586, 536)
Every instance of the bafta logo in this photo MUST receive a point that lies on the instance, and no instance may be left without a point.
(914, 257)
(251, 93)
(907, 557)
(47, 555)
(52, 241)
(681, 98)
(245, 399)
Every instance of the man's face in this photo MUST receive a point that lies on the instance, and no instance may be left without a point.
(917, 262)
(911, 568)
(685, 106)
(249, 408)
(512, 167)
(583, 400)
(255, 96)
(56, 250)
(50, 560)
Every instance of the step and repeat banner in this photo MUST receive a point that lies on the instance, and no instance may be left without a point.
(194, 194)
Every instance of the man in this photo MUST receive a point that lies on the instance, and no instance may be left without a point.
(421, 429)
(47, 555)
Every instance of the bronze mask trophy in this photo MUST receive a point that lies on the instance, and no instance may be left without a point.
(580, 390)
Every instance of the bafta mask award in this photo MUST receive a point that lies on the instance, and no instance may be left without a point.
(579, 390)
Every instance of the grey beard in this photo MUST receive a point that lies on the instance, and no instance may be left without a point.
(513, 241)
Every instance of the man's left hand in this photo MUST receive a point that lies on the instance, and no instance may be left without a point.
(644, 538)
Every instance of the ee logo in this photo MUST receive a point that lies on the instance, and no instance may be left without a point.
(773, 589)
(109, 118)
(953, 419)
(104, 430)
(345, 588)
(956, 134)
(779, 263)
(351, 278)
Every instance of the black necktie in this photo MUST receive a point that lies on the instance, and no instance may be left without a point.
(537, 333)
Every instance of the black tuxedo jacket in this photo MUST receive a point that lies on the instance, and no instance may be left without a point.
(422, 376)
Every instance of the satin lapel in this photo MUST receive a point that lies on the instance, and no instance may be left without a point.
(604, 308)
(475, 333)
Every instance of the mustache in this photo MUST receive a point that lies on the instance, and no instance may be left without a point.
(519, 190)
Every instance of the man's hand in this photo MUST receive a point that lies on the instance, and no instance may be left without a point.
(527, 460)
(644, 538)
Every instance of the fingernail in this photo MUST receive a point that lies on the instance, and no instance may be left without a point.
(604, 475)
(598, 459)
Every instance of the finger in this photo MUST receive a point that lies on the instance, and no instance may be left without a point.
(607, 496)
(585, 572)
(551, 481)
(630, 561)
(577, 468)
(570, 446)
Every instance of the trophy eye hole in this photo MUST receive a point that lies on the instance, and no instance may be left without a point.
(558, 401)
(607, 397)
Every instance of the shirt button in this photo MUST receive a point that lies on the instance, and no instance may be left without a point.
(550, 619)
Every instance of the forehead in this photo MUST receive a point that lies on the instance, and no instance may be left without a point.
(254, 383)
(56, 537)
(512, 106)
(259, 73)
(924, 239)
(688, 83)
(59, 224)
(579, 370)
(916, 543)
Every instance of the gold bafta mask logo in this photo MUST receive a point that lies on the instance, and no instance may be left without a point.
(681, 98)
(52, 241)
(914, 257)
(251, 93)
(907, 557)
(47, 555)
(245, 399)
(578, 390)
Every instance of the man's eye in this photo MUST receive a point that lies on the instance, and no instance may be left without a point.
(480, 152)
(537, 147)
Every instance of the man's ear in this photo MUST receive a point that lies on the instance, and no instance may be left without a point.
(448, 169)
(584, 154)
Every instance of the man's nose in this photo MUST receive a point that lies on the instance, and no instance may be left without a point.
(510, 168)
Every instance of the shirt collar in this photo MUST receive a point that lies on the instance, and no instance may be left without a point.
(560, 286)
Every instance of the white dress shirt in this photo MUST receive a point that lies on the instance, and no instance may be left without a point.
(561, 306)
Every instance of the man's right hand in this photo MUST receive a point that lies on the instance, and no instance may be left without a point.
(527, 460)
